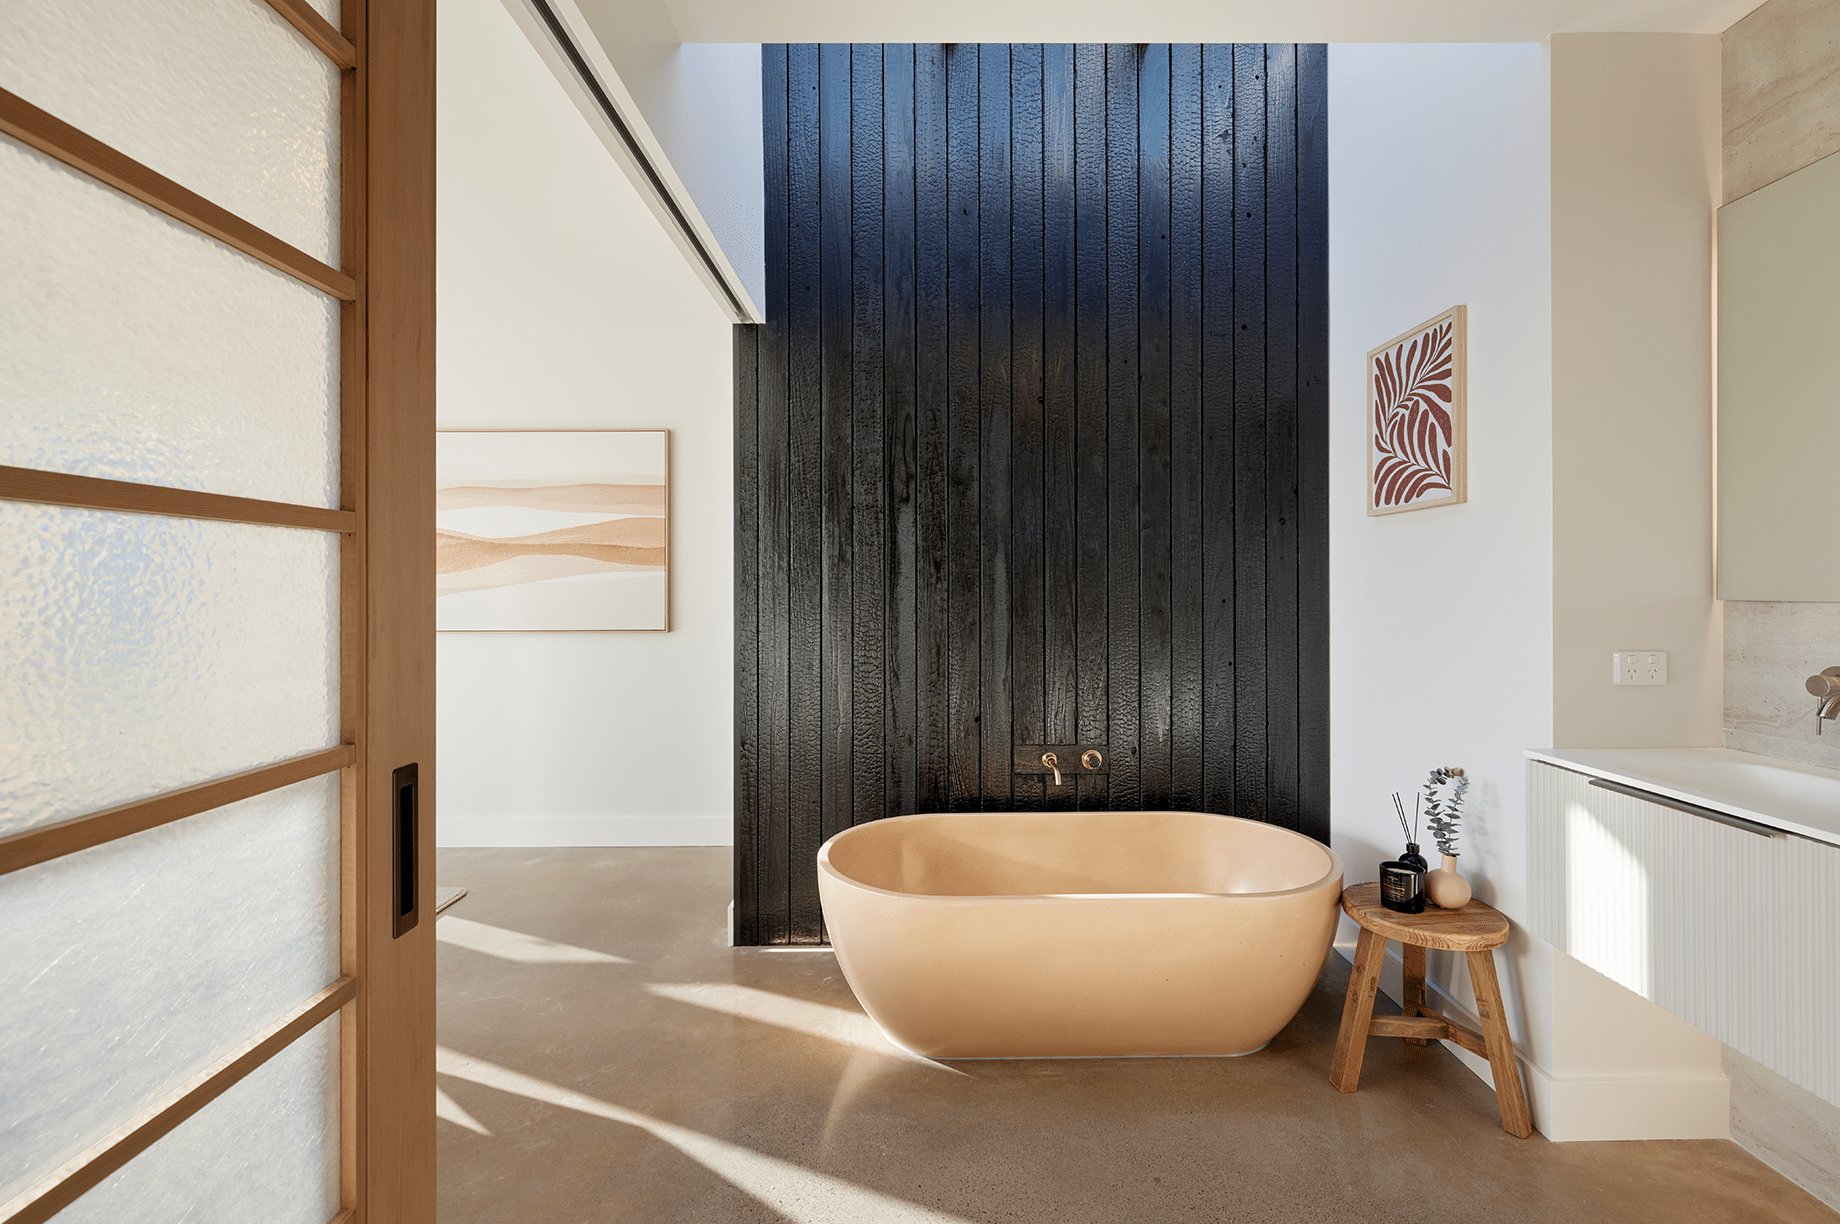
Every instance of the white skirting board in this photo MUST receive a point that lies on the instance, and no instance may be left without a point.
(584, 831)
(1572, 1109)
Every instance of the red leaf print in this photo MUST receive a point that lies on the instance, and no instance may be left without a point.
(1412, 431)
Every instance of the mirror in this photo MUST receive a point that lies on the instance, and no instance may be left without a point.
(1779, 389)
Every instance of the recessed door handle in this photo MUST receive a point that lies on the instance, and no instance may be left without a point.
(403, 788)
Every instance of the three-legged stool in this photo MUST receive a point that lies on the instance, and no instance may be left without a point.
(1476, 930)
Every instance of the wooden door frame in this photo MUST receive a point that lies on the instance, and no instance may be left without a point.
(388, 1076)
(384, 996)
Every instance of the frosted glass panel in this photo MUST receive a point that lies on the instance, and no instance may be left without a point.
(134, 348)
(220, 95)
(267, 1150)
(139, 654)
(131, 967)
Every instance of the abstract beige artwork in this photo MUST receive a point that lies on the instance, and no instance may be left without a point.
(552, 530)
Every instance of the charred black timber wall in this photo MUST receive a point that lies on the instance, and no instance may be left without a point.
(1032, 448)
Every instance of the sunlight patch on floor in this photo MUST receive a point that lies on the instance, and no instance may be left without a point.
(838, 1024)
(798, 1193)
(446, 1107)
(515, 945)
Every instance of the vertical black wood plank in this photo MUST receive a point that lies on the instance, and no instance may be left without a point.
(747, 628)
(994, 383)
(932, 392)
(1249, 688)
(1186, 571)
(1123, 507)
(869, 553)
(805, 470)
(1028, 578)
(1153, 455)
(1060, 526)
(1218, 329)
(837, 609)
(1313, 436)
(1281, 557)
(899, 299)
(772, 868)
(1091, 323)
(836, 458)
(963, 414)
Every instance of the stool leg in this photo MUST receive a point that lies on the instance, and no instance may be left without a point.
(1357, 1012)
(1509, 1095)
(1414, 992)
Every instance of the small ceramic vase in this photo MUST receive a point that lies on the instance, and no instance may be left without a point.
(1445, 887)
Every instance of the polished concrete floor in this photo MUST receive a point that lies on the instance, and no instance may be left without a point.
(605, 1056)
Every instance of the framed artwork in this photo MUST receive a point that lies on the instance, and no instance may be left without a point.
(1417, 431)
(558, 530)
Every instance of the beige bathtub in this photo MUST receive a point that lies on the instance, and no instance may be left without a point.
(1078, 934)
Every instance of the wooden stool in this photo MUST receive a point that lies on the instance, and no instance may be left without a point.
(1476, 930)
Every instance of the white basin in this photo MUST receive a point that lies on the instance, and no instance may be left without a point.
(1800, 799)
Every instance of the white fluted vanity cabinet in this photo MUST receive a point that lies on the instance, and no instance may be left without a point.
(1733, 930)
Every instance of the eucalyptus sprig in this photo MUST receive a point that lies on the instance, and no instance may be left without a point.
(1444, 792)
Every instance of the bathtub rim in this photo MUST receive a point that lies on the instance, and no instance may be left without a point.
(1336, 867)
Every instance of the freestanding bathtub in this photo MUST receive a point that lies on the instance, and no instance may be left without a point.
(1078, 934)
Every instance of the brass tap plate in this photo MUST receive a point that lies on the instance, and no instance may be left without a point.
(1072, 759)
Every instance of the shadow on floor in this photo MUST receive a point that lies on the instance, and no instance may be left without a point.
(605, 1056)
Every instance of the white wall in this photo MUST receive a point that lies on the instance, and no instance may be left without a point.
(1635, 158)
(1441, 620)
(564, 305)
(701, 102)
(710, 125)
(1566, 201)
(1164, 20)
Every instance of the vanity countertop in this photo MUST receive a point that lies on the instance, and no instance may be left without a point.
(1799, 799)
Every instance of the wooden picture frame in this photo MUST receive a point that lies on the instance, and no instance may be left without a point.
(1417, 417)
(562, 531)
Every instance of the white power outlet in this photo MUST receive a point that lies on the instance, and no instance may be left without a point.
(1639, 667)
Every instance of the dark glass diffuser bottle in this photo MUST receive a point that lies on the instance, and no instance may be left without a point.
(1414, 858)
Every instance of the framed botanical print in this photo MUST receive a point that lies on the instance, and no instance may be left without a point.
(1417, 428)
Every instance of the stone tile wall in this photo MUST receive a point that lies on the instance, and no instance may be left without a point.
(1770, 651)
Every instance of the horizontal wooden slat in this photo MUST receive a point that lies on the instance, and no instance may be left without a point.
(65, 1185)
(32, 846)
(51, 135)
(317, 30)
(94, 493)
(1405, 1026)
(1466, 1037)
(346, 1216)
(1436, 1025)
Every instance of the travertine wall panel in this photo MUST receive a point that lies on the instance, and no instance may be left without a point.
(1782, 92)
(1770, 649)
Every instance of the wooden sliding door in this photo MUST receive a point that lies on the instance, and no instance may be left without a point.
(216, 610)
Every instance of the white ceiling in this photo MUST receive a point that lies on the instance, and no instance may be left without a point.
(1183, 20)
